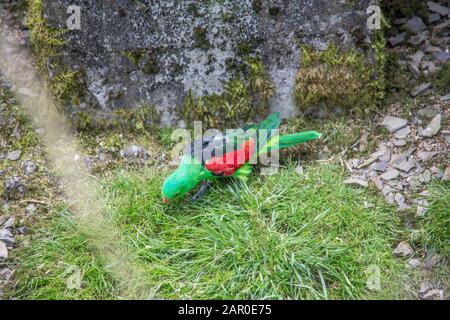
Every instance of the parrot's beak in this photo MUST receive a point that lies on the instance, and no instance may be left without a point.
(165, 200)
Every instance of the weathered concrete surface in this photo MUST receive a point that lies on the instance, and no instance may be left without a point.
(193, 45)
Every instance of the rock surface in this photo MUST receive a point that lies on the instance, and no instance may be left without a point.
(393, 124)
(191, 45)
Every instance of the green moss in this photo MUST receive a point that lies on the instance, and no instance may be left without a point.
(146, 59)
(337, 78)
(201, 38)
(242, 100)
(46, 41)
(275, 11)
(151, 66)
(143, 118)
(67, 85)
(134, 56)
(192, 8)
(257, 5)
(245, 48)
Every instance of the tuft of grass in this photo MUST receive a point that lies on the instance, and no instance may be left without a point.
(436, 224)
(285, 236)
(62, 264)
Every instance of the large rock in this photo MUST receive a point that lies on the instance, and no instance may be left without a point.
(132, 51)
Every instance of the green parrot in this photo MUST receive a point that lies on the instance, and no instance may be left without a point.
(240, 150)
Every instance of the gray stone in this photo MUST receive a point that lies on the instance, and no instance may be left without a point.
(438, 173)
(446, 176)
(432, 49)
(14, 155)
(414, 68)
(380, 166)
(442, 26)
(424, 156)
(357, 181)
(414, 263)
(393, 124)
(398, 39)
(442, 56)
(433, 127)
(23, 230)
(299, 170)
(414, 25)
(403, 249)
(390, 198)
(429, 112)
(135, 152)
(29, 167)
(102, 157)
(437, 8)
(390, 175)
(30, 209)
(425, 177)
(421, 89)
(7, 237)
(445, 98)
(422, 208)
(434, 17)
(3, 251)
(431, 260)
(399, 143)
(377, 182)
(9, 223)
(14, 187)
(403, 133)
(429, 66)
(417, 57)
(405, 166)
(425, 287)
(399, 199)
(434, 294)
(386, 156)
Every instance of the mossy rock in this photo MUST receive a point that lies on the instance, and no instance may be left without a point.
(242, 100)
(337, 78)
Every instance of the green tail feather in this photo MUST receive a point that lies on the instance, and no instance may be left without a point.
(272, 122)
(291, 140)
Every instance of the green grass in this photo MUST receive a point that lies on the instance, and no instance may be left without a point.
(281, 237)
(48, 265)
(436, 223)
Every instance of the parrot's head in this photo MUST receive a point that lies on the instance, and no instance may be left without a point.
(180, 182)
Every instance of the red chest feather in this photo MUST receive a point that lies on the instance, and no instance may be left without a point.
(228, 163)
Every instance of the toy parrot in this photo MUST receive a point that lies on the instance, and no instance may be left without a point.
(240, 148)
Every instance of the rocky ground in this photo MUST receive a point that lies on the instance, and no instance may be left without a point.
(413, 150)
